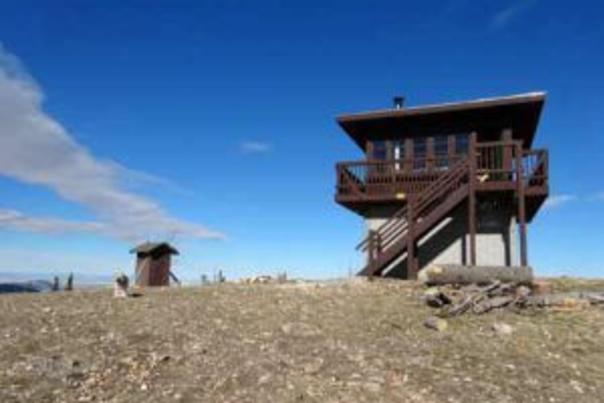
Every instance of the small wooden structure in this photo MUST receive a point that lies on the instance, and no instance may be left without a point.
(153, 261)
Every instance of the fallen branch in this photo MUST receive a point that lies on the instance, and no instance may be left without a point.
(443, 274)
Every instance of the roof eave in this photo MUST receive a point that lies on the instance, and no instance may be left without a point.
(348, 122)
(534, 97)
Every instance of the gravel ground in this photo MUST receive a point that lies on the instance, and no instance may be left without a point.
(349, 341)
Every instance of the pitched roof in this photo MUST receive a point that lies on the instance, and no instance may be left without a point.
(151, 247)
(521, 112)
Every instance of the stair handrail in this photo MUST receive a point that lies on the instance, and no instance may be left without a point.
(433, 188)
(423, 200)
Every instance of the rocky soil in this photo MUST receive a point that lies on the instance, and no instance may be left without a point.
(351, 341)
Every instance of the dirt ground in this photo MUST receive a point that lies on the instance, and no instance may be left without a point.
(349, 341)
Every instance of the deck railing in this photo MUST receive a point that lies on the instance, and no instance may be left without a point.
(495, 162)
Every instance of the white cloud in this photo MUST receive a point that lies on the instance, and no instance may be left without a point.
(35, 149)
(254, 147)
(599, 196)
(554, 201)
(512, 11)
(15, 220)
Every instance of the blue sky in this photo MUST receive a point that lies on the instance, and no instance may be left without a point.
(212, 123)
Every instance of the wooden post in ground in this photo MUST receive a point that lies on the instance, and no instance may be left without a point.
(472, 197)
(521, 204)
(411, 271)
(371, 247)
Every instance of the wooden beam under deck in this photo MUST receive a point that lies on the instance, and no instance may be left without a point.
(472, 200)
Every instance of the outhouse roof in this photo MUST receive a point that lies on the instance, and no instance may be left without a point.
(154, 247)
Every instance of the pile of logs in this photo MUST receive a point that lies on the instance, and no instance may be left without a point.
(480, 290)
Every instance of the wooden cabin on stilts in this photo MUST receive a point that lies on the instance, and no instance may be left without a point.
(445, 183)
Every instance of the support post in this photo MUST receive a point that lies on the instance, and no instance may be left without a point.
(371, 247)
(411, 271)
(472, 197)
(521, 205)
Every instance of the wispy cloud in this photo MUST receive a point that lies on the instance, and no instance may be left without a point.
(15, 220)
(554, 201)
(35, 149)
(513, 10)
(598, 197)
(254, 147)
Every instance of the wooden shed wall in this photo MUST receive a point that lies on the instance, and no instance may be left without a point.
(153, 272)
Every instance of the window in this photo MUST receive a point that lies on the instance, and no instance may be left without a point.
(461, 143)
(441, 151)
(419, 153)
(419, 147)
(441, 145)
(379, 150)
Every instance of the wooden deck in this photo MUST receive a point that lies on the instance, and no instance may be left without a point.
(498, 165)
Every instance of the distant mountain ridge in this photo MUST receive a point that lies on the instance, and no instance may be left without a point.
(81, 278)
(28, 286)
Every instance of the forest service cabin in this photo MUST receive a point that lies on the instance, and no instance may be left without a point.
(445, 183)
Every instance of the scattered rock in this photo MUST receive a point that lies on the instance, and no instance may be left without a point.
(523, 291)
(314, 366)
(264, 379)
(300, 329)
(434, 323)
(435, 298)
(372, 387)
(502, 329)
(542, 287)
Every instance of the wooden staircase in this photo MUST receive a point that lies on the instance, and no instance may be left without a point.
(419, 215)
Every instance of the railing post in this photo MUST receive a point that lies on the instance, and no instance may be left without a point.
(472, 197)
(392, 168)
(408, 163)
(521, 205)
(429, 154)
(508, 145)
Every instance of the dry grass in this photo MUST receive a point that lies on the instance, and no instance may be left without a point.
(351, 341)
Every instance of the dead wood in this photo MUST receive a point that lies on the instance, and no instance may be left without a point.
(443, 274)
(492, 303)
(499, 295)
(459, 308)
